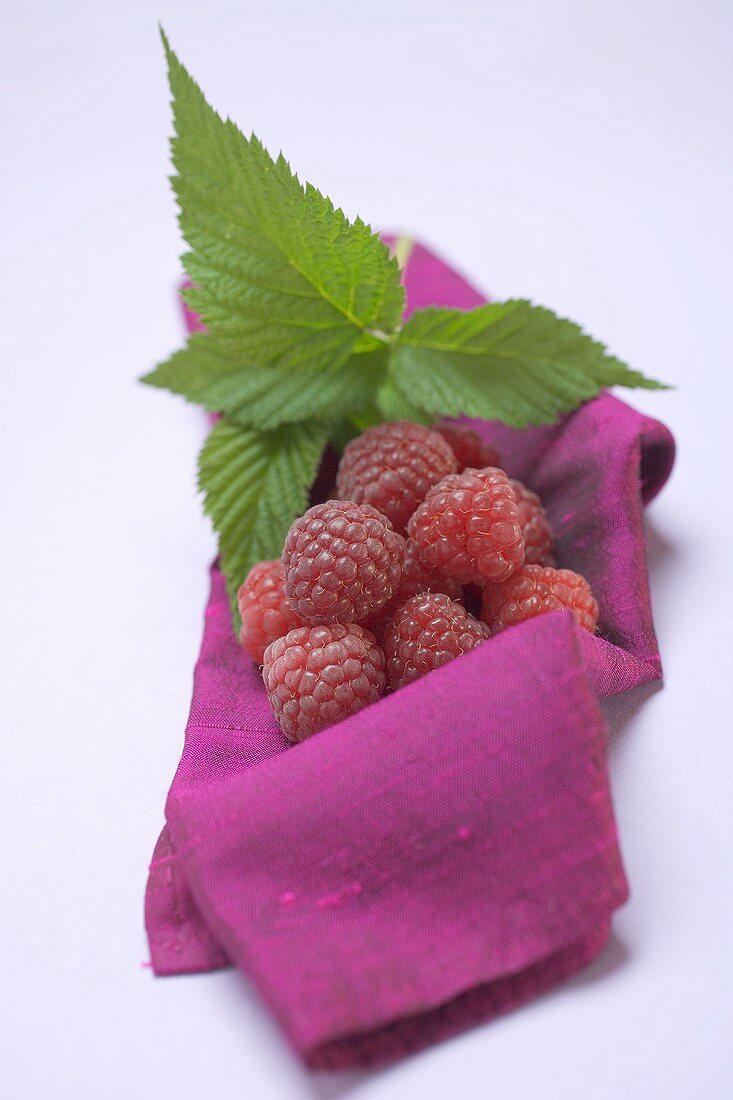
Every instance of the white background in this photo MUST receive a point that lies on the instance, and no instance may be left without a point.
(578, 153)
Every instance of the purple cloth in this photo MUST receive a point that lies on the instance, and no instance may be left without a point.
(450, 852)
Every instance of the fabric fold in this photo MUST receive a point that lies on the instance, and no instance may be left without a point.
(432, 844)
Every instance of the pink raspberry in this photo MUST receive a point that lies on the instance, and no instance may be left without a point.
(416, 578)
(392, 466)
(536, 530)
(535, 590)
(317, 675)
(342, 562)
(469, 448)
(427, 632)
(266, 614)
(468, 527)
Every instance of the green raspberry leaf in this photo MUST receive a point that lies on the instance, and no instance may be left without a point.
(266, 397)
(255, 484)
(395, 405)
(511, 361)
(281, 276)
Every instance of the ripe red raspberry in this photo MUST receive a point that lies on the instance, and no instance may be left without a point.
(317, 675)
(534, 590)
(469, 448)
(468, 527)
(266, 614)
(342, 562)
(536, 530)
(427, 632)
(392, 466)
(416, 578)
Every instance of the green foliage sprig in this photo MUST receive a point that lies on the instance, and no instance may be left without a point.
(304, 337)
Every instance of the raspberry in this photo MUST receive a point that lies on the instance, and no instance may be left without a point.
(342, 562)
(427, 632)
(416, 578)
(536, 530)
(534, 590)
(265, 613)
(468, 527)
(317, 675)
(469, 448)
(392, 466)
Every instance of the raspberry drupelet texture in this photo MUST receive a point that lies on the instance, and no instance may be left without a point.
(392, 466)
(536, 530)
(469, 448)
(342, 562)
(317, 675)
(266, 614)
(468, 527)
(535, 590)
(427, 632)
(416, 578)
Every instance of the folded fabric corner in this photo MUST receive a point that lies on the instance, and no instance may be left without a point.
(427, 863)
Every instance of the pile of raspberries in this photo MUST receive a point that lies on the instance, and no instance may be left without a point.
(373, 589)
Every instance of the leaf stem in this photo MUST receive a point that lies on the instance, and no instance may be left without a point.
(402, 250)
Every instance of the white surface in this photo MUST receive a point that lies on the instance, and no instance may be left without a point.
(578, 153)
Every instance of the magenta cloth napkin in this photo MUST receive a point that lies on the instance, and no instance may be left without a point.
(450, 852)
